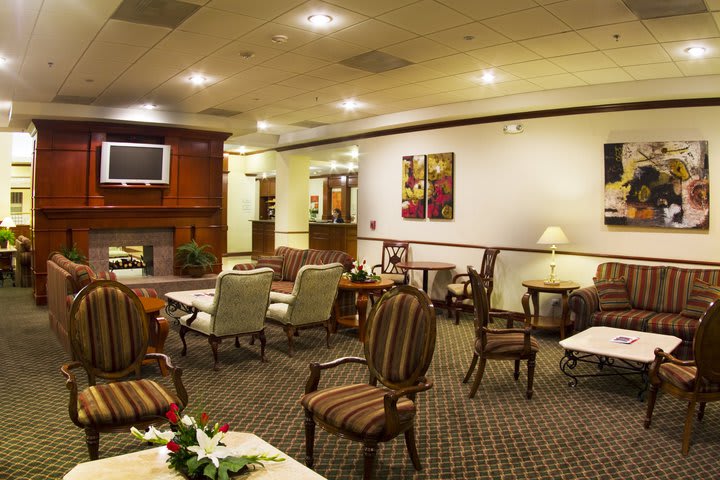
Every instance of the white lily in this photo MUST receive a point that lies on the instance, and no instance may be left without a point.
(208, 447)
(153, 435)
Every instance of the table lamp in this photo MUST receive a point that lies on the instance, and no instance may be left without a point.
(553, 236)
(8, 223)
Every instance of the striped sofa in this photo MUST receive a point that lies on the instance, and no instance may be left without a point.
(65, 279)
(662, 299)
(286, 264)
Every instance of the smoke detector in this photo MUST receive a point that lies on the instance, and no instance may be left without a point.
(279, 38)
(247, 55)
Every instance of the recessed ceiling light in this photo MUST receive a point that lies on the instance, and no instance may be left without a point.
(262, 125)
(3, 60)
(354, 152)
(488, 77)
(279, 38)
(350, 104)
(198, 79)
(320, 19)
(241, 149)
(333, 165)
(351, 167)
(149, 106)
(695, 51)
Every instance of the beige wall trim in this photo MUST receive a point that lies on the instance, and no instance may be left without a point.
(306, 232)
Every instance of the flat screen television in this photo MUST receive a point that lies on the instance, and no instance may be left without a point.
(134, 163)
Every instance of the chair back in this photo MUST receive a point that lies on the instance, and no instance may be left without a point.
(400, 337)
(481, 305)
(241, 301)
(108, 330)
(487, 269)
(315, 290)
(705, 344)
(393, 252)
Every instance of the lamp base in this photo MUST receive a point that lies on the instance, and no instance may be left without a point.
(552, 282)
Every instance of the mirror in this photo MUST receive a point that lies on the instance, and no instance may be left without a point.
(353, 204)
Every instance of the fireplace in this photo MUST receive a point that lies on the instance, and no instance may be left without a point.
(106, 245)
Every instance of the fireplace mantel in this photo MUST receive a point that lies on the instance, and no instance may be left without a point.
(115, 211)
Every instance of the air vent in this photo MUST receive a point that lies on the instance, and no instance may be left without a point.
(308, 124)
(220, 112)
(375, 62)
(645, 9)
(161, 13)
(73, 99)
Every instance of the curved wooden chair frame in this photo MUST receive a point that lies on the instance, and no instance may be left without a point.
(457, 303)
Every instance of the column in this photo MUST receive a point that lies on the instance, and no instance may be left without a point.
(292, 196)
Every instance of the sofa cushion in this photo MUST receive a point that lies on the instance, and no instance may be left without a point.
(273, 262)
(676, 286)
(629, 319)
(700, 297)
(643, 282)
(324, 257)
(612, 294)
(672, 324)
(292, 261)
(282, 287)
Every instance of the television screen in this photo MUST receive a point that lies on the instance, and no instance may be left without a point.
(141, 163)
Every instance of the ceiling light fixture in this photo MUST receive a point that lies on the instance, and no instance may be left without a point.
(262, 125)
(320, 19)
(198, 79)
(354, 152)
(351, 167)
(350, 104)
(488, 77)
(242, 150)
(3, 60)
(695, 51)
(279, 38)
(149, 106)
(333, 165)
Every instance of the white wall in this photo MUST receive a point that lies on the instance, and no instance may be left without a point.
(242, 199)
(316, 188)
(508, 188)
(6, 141)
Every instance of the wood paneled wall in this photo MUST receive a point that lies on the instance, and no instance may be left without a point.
(69, 201)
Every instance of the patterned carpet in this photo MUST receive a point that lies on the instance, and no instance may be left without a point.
(591, 431)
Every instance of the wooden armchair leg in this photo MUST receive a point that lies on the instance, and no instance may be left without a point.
(412, 449)
(183, 332)
(214, 343)
(701, 411)
(92, 438)
(237, 342)
(687, 432)
(516, 373)
(472, 367)
(369, 451)
(531, 376)
(327, 333)
(309, 439)
(290, 332)
(650, 404)
(478, 377)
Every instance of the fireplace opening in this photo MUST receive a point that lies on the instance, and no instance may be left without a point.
(131, 260)
(132, 252)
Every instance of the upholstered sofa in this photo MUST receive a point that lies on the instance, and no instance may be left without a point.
(66, 278)
(657, 299)
(23, 261)
(286, 264)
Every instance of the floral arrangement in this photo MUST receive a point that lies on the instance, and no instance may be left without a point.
(359, 273)
(196, 448)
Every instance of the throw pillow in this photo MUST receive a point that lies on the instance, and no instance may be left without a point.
(613, 294)
(276, 263)
(701, 296)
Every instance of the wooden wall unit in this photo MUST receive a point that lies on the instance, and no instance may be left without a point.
(69, 201)
(266, 202)
(334, 236)
(344, 183)
(263, 238)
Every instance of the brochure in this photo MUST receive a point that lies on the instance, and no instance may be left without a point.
(624, 339)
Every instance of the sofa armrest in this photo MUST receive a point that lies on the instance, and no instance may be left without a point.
(244, 266)
(106, 276)
(145, 292)
(583, 303)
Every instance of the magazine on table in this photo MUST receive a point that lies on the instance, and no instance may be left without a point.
(624, 339)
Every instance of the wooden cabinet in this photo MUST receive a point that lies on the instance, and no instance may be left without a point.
(334, 236)
(263, 238)
(266, 201)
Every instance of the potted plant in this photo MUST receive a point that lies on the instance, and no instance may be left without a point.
(6, 236)
(194, 258)
(74, 254)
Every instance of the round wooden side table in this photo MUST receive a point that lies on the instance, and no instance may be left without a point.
(534, 319)
(362, 290)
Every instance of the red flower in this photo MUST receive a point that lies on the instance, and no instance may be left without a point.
(359, 267)
(224, 428)
(172, 446)
(204, 419)
(172, 416)
(174, 408)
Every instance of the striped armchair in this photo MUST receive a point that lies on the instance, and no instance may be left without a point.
(237, 308)
(109, 336)
(399, 345)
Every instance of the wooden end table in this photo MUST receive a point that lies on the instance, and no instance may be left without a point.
(159, 328)
(535, 320)
(425, 267)
(362, 290)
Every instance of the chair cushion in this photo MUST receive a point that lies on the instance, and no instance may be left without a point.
(684, 378)
(396, 278)
(273, 262)
(458, 289)
(124, 402)
(202, 322)
(277, 311)
(700, 298)
(612, 294)
(506, 343)
(358, 408)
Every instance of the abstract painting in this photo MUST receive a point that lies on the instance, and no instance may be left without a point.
(440, 185)
(413, 191)
(657, 184)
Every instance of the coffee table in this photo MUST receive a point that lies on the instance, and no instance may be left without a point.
(180, 302)
(594, 346)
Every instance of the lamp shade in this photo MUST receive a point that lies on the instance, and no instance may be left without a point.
(8, 223)
(553, 236)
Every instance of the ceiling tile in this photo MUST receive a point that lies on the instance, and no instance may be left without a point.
(454, 64)
(677, 50)
(459, 37)
(341, 17)
(75, 23)
(419, 50)
(188, 42)
(517, 86)
(604, 75)
(330, 49)
(15, 31)
(533, 68)
(709, 66)
(305, 100)
(685, 27)
(117, 31)
(265, 9)
(559, 44)
(530, 23)
(629, 34)
(653, 70)
(638, 55)
(446, 84)
(563, 80)
(267, 75)
(99, 51)
(477, 93)
(504, 54)
(219, 23)
(306, 82)
(373, 34)
(218, 67)
(263, 35)
(371, 8)
(412, 73)
(713, 4)
(499, 75)
(375, 82)
(376, 98)
(168, 59)
(293, 62)
(100, 69)
(339, 73)
(408, 91)
(242, 51)
(479, 10)
(583, 61)
(425, 16)
(591, 13)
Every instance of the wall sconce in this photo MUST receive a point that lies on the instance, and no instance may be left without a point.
(513, 128)
(553, 236)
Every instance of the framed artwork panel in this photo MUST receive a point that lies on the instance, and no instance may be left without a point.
(413, 188)
(440, 176)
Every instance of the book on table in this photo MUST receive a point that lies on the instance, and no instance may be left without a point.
(624, 339)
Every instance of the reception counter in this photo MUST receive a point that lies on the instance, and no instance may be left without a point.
(322, 236)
